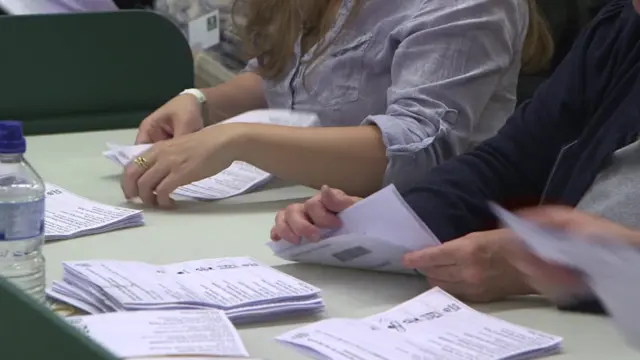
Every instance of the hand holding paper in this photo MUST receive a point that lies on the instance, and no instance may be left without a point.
(375, 233)
(563, 249)
(309, 219)
(185, 164)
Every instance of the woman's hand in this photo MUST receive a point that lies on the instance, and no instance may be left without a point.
(305, 220)
(182, 115)
(557, 282)
(172, 163)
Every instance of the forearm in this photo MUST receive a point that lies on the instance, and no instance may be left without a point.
(241, 94)
(349, 158)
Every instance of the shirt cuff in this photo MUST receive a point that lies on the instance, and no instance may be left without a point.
(412, 148)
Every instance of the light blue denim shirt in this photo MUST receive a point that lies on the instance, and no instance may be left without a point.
(436, 76)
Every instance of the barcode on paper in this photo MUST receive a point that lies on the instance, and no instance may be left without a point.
(351, 253)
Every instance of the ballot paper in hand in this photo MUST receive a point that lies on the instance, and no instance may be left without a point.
(376, 232)
(432, 326)
(237, 179)
(609, 266)
(163, 333)
(246, 290)
(68, 215)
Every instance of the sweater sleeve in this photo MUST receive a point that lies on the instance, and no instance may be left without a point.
(587, 306)
(512, 168)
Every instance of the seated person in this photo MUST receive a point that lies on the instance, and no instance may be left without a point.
(397, 85)
(574, 144)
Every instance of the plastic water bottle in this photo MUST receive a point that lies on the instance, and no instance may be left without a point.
(22, 194)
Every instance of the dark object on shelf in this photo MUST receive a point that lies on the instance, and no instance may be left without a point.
(135, 4)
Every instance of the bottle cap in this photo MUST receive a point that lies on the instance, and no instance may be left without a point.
(11, 138)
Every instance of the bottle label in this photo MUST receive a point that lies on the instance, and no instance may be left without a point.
(21, 221)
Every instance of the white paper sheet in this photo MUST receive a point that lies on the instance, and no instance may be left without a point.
(68, 215)
(610, 266)
(244, 288)
(432, 326)
(240, 177)
(163, 333)
(375, 234)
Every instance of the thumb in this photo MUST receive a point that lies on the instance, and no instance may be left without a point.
(185, 125)
(551, 216)
(150, 130)
(142, 138)
(336, 200)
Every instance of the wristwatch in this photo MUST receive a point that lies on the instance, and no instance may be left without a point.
(202, 100)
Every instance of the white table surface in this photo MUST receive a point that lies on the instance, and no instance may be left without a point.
(240, 227)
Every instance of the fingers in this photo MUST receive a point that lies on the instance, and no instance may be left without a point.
(552, 216)
(283, 230)
(319, 215)
(445, 273)
(151, 132)
(132, 174)
(300, 223)
(553, 281)
(183, 126)
(441, 255)
(153, 184)
(543, 274)
(148, 182)
(165, 188)
(274, 234)
(335, 200)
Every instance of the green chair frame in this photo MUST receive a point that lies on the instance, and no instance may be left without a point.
(89, 71)
(30, 331)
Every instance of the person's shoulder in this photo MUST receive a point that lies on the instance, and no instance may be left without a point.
(615, 29)
(616, 12)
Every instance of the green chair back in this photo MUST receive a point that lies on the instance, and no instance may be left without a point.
(89, 71)
(30, 331)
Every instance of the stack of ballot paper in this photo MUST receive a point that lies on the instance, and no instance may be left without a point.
(375, 234)
(237, 179)
(68, 215)
(246, 290)
(163, 333)
(610, 267)
(432, 326)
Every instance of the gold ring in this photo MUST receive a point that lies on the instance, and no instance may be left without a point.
(142, 162)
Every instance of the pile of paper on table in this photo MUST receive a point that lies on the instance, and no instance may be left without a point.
(246, 290)
(162, 334)
(68, 215)
(432, 326)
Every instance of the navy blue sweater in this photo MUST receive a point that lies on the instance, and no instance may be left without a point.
(552, 148)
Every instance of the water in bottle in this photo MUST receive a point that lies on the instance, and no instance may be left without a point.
(22, 194)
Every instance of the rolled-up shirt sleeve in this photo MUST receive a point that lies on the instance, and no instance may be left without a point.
(449, 60)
